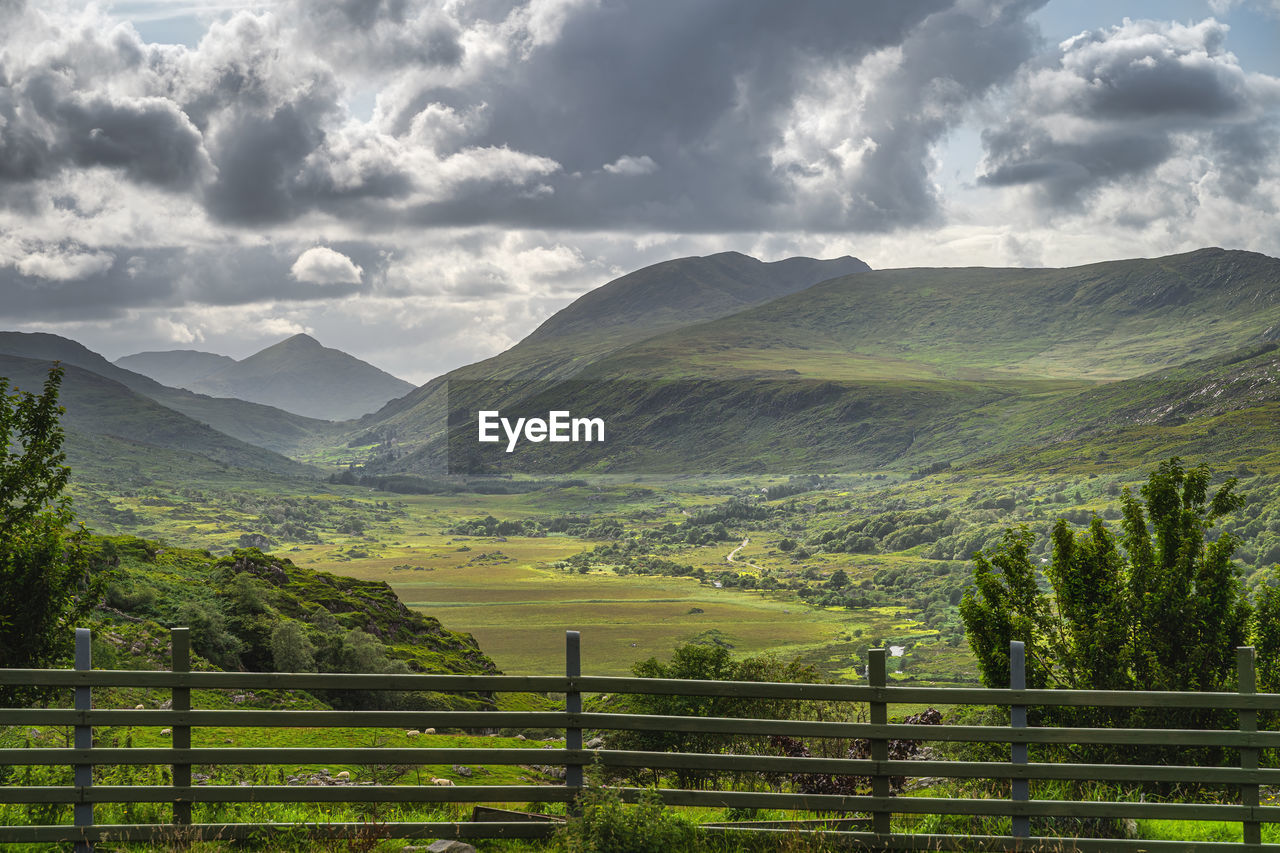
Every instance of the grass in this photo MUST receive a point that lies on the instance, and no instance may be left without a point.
(518, 608)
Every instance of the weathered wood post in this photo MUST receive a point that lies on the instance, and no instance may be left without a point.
(573, 775)
(1018, 720)
(82, 812)
(180, 661)
(878, 677)
(1246, 683)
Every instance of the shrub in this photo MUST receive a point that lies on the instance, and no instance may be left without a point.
(608, 826)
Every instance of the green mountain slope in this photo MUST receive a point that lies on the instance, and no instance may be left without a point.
(254, 423)
(687, 290)
(649, 301)
(1171, 411)
(113, 431)
(300, 375)
(891, 367)
(176, 368)
(1099, 322)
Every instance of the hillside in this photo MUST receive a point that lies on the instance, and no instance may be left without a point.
(298, 375)
(176, 368)
(649, 301)
(333, 623)
(885, 368)
(1102, 321)
(111, 430)
(688, 290)
(264, 426)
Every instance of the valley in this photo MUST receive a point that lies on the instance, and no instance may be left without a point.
(619, 427)
(850, 441)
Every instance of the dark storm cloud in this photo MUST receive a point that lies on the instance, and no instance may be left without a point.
(708, 116)
(259, 156)
(58, 111)
(707, 93)
(45, 128)
(1116, 104)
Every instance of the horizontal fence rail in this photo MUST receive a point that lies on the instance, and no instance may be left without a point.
(873, 812)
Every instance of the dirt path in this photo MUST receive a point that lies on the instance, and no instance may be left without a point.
(729, 557)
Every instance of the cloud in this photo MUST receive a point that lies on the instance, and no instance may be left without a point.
(50, 121)
(323, 265)
(743, 104)
(56, 283)
(632, 166)
(378, 34)
(1114, 105)
(739, 114)
(176, 331)
(65, 266)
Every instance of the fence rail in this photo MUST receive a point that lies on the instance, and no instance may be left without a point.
(878, 807)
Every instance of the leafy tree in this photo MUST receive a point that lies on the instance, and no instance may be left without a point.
(43, 583)
(1158, 607)
(291, 648)
(211, 637)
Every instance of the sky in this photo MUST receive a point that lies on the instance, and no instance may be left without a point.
(422, 182)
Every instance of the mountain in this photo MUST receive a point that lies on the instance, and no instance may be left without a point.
(1101, 321)
(903, 368)
(687, 290)
(114, 431)
(264, 426)
(176, 368)
(647, 302)
(298, 375)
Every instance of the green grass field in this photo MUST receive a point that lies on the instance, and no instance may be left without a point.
(519, 607)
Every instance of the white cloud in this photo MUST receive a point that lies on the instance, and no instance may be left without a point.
(65, 266)
(1115, 105)
(176, 331)
(632, 166)
(323, 265)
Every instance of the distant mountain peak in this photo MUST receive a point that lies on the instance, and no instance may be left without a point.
(298, 374)
(301, 375)
(302, 339)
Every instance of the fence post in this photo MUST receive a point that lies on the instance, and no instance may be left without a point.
(83, 773)
(1018, 720)
(573, 705)
(180, 661)
(1247, 684)
(877, 676)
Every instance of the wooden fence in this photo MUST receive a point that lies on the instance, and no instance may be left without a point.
(879, 806)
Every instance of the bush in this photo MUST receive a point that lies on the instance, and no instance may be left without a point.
(714, 663)
(608, 826)
(210, 637)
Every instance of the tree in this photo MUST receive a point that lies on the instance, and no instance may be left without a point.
(1160, 607)
(291, 648)
(43, 582)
